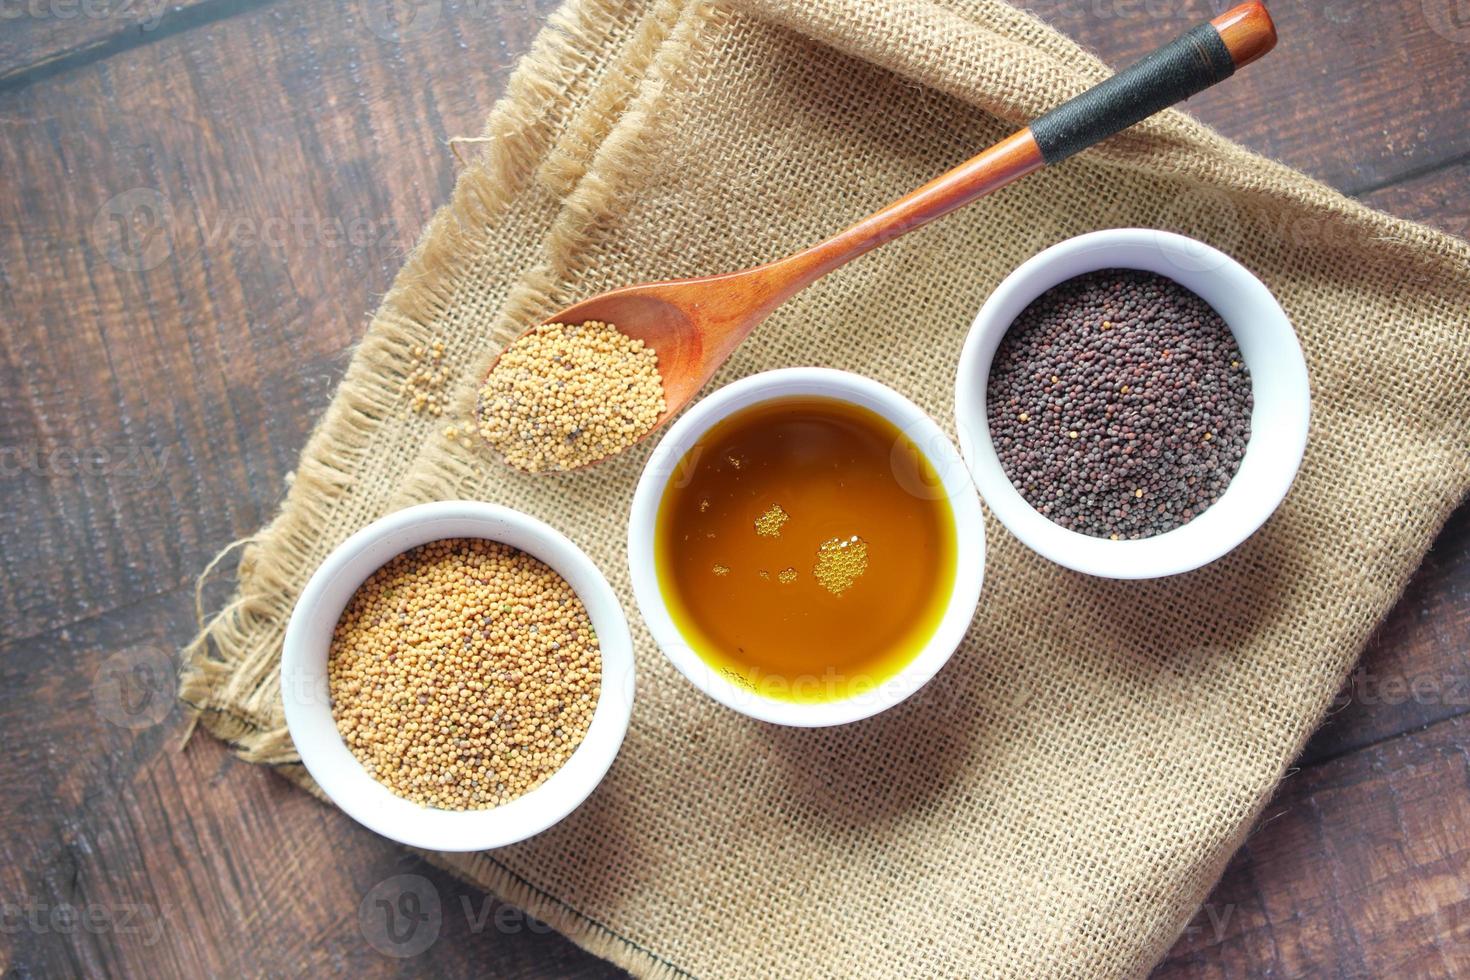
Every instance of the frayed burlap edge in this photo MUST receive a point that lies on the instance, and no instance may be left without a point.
(221, 667)
(517, 147)
(615, 169)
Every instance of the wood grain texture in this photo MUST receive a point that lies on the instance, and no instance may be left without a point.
(1357, 94)
(165, 270)
(1361, 869)
(194, 222)
(157, 392)
(189, 863)
(43, 37)
(1437, 199)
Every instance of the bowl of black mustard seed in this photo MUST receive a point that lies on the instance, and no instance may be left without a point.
(1132, 403)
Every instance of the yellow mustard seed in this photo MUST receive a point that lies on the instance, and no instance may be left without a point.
(463, 673)
(424, 384)
(565, 395)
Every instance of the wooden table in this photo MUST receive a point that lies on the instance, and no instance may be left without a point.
(275, 158)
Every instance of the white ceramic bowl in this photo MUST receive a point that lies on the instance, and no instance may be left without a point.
(1278, 422)
(954, 484)
(309, 710)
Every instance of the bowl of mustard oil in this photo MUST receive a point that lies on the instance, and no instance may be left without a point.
(806, 547)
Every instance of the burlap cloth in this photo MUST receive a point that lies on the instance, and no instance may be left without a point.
(1060, 799)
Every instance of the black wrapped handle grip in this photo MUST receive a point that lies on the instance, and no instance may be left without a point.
(1205, 56)
(1199, 59)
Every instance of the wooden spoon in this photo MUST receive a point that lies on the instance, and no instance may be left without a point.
(694, 324)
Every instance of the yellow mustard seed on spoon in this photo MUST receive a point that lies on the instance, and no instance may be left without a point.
(566, 395)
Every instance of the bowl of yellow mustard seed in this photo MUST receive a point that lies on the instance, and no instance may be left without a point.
(457, 676)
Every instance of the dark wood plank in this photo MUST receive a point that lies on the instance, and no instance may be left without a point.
(192, 863)
(1417, 669)
(270, 207)
(1362, 870)
(1436, 199)
(124, 856)
(1356, 94)
(1285, 890)
(37, 35)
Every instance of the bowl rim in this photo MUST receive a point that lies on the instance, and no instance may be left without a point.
(1218, 529)
(926, 434)
(305, 696)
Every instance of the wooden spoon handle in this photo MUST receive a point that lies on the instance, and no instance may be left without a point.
(1203, 57)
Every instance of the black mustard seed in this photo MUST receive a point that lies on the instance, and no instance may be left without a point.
(1119, 404)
